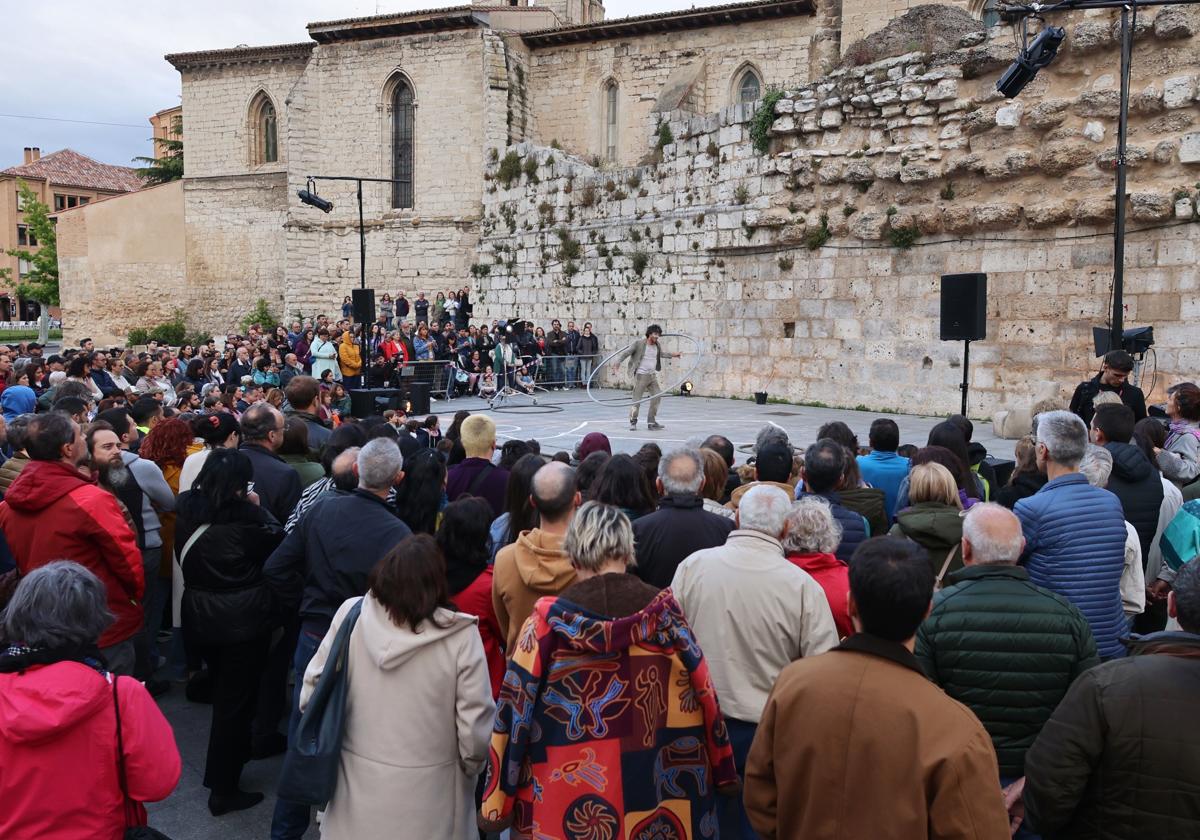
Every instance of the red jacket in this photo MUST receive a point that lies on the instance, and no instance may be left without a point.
(58, 751)
(834, 577)
(476, 600)
(51, 512)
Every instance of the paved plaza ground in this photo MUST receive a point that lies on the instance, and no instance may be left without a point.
(184, 816)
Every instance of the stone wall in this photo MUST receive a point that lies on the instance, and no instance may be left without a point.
(567, 83)
(861, 18)
(109, 250)
(812, 270)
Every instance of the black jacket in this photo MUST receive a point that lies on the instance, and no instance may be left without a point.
(275, 482)
(665, 538)
(1135, 481)
(329, 555)
(225, 597)
(1085, 394)
(1022, 487)
(1120, 756)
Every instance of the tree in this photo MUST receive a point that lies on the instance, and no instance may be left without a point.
(169, 167)
(41, 283)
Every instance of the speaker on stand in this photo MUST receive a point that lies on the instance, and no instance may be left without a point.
(964, 317)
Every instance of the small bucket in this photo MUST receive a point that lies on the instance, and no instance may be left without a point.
(760, 397)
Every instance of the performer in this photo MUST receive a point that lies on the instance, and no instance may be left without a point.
(1114, 371)
(645, 361)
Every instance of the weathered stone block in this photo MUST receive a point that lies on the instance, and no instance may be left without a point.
(868, 225)
(997, 216)
(1094, 131)
(1178, 91)
(1049, 213)
(1048, 114)
(1098, 103)
(1009, 116)
(1164, 152)
(1173, 22)
(1060, 157)
(1088, 36)
(1151, 207)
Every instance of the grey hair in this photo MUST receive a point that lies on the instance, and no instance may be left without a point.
(765, 509)
(673, 483)
(58, 605)
(771, 433)
(378, 462)
(18, 431)
(1096, 465)
(812, 528)
(599, 533)
(986, 545)
(1064, 435)
(1186, 588)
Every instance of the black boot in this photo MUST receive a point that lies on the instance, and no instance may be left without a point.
(220, 804)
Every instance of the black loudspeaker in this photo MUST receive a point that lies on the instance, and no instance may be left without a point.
(365, 402)
(418, 395)
(964, 307)
(364, 305)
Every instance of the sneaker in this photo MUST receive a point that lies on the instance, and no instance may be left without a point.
(655, 427)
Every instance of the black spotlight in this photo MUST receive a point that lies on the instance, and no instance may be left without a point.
(685, 390)
(1033, 58)
(310, 198)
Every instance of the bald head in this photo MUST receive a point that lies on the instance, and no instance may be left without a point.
(553, 492)
(992, 534)
(344, 470)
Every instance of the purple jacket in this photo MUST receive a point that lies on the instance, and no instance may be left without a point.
(493, 487)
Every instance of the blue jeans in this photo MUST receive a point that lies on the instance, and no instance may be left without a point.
(553, 372)
(731, 813)
(290, 820)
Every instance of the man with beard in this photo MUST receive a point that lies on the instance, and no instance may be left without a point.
(53, 511)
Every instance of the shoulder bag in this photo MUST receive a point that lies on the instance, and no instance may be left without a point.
(310, 766)
(134, 829)
(950, 555)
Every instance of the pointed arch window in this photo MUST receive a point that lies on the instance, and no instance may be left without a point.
(264, 129)
(403, 122)
(749, 86)
(610, 122)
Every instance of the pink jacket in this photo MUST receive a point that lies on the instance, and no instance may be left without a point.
(58, 753)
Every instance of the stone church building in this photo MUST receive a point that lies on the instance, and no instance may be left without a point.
(565, 165)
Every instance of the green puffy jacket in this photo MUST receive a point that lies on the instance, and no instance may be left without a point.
(1007, 649)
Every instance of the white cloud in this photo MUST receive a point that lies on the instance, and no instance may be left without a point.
(82, 60)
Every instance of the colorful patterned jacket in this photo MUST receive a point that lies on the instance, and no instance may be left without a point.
(607, 728)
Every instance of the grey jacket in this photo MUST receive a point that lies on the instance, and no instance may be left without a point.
(636, 353)
(156, 495)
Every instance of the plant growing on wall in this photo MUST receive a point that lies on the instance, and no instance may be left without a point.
(40, 283)
(903, 237)
(764, 118)
(639, 260)
(509, 169)
(819, 235)
(569, 247)
(261, 315)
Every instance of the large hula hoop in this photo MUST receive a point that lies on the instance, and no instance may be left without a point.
(622, 402)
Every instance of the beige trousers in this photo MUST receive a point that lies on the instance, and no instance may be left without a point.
(643, 384)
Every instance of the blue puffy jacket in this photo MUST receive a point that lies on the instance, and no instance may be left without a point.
(855, 530)
(1075, 546)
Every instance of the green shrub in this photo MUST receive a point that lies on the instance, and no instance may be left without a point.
(509, 170)
(904, 237)
(138, 335)
(764, 118)
(260, 314)
(639, 260)
(819, 235)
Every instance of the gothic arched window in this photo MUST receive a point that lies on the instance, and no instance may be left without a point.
(403, 122)
(749, 86)
(264, 130)
(610, 122)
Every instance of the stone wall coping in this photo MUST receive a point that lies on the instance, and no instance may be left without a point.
(240, 55)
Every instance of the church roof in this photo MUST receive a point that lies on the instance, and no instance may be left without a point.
(670, 22)
(68, 168)
(403, 23)
(240, 55)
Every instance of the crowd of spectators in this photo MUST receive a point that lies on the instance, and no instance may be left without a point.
(830, 639)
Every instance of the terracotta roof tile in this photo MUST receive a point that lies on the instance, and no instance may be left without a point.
(68, 168)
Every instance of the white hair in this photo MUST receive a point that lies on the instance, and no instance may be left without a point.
(378, 462)
(677, 483)
(764, 509)
(599, 533)
(1064, 435)
(1096, 465)
(812, 528)
(984, 528)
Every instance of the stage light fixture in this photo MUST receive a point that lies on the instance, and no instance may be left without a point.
(1030, 60)
(685, 390)
(309, 196)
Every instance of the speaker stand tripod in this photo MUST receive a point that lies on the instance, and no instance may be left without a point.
(966, 375)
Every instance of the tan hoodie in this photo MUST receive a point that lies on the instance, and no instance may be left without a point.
(532, 567)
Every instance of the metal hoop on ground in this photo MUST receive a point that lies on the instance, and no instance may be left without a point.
(533, 408)
(623, 402)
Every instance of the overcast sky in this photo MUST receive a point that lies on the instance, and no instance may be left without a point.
(102, 62)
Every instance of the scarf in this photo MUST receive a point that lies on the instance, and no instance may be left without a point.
(1179, 428)
(18, 657)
